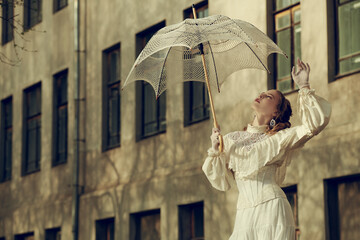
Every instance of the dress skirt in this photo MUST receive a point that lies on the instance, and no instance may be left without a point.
(270, 220)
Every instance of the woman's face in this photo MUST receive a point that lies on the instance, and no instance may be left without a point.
(266, 104)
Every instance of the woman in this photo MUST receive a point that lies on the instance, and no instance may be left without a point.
(257, 158)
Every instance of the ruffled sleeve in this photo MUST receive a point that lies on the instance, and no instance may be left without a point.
(315, 114)
(216, 169)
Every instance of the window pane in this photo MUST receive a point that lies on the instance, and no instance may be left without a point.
(297, 42)
(105, 229)
(150, 113)
(280, 4)
(283, 64)
(349, 64)
(349, 31)
(199, 221)
(162, 111)
(349, 210)
(8, 114)
(150, 227)
(62, 134)
(191, 221)
(284, 86)
(8, 154)
(114, 67)
(282, 20)
(297, 15)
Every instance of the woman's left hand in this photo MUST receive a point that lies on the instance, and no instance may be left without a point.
(301, 77)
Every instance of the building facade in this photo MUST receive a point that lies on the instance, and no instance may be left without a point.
(140, 160)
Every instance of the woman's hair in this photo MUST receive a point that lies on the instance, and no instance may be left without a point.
(283, 117)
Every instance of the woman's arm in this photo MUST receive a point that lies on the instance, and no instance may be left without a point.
(314, 110)
(215, 166)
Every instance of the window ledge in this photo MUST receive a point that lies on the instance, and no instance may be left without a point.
(346, 74)
(150, 135)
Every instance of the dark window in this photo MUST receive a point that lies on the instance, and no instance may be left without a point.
(60, 118)
(145, 225)
(32, 13)
(111, 97)
(150, 112)
(287, 34)
(291, 194)
(196, 99)
(342, 197)
(25, 236)
(191, 221)
(105, 229)
(32, 129)
(6, 139)
(53, 234)
(59, 4)
(348, 35)
(7, 20)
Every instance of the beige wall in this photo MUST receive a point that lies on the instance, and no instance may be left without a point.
(165, 170)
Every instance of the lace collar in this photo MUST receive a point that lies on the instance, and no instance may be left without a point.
(256, 129)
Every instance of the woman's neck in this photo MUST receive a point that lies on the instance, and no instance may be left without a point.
(260, 120)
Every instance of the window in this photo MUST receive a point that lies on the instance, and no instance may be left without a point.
(287, 16)
(291, 194)
(53, 234)
(191, 221)
(348, 35)
(111, 97)
(59, 4)
(150, 112)
(32, 13)
(32, 129)
(6, 139)
(196, 99)
(7, 20)
(105, 229)
(145, 225)
(60, 113)
(342, 197)
(26, 236)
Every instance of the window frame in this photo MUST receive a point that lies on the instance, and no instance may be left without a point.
(27, 15)
(107, 86)
(189, 86)
(24, 170)
(135, 221)
(334, 42)
(24, 236)
(101, 224)
(6, 24)
(271, 30)
(49, 233)
(56, 107)
(3, 132)
(140, 88)
(186, 208)
(331, 204)
(292, 190)
(57, 7)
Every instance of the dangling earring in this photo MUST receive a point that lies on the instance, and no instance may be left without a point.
(272, 123)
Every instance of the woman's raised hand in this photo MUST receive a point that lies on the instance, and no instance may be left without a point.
(215, 138)
(301, 77)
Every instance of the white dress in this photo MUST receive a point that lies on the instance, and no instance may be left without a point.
(259, 162)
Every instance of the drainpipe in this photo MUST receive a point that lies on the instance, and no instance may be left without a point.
(75, 184)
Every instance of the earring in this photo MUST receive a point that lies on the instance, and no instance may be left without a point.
(272, 123)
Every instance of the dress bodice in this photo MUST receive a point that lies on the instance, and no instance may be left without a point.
(259, 189)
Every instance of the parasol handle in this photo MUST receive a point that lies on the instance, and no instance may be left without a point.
(216, 125)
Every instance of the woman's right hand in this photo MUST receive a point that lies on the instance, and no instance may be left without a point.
(215, 138)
